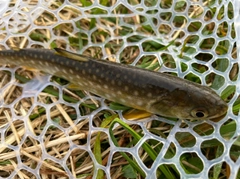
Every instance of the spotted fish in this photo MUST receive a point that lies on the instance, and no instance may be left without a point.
(155, 92)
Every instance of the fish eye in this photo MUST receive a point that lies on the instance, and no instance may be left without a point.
(199, 113)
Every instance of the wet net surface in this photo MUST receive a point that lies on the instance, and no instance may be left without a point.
(48, 130)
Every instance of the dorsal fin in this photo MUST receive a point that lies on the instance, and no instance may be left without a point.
(15, 48)
(71, 55)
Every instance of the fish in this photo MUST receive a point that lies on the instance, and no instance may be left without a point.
(157, 93)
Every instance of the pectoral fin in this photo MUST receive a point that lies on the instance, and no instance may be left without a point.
(135, 114)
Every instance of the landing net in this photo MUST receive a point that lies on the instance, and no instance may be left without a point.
(50, 131)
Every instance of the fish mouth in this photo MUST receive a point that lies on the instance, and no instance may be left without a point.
(224, 108)
(218, 118)
(222, 112)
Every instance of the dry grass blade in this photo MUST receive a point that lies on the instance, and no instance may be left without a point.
(43, 162)
(9, 155)
(66, 116)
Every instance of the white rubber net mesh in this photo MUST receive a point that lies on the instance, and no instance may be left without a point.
(49, 131)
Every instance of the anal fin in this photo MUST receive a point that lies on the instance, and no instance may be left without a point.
(73, 86)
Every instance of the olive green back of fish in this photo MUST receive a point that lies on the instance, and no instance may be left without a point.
(154, 92)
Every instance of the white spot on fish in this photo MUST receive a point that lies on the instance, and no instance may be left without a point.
(105, 86)
(83, 72)
(119, 92)
(119, 83)
(107, 79)
(136, 93)
(46, 63)
(113, 82)
(126, 88)
(71, 71)
(64, 71)
(139, 103)
(94, 77)
(149, 95)
(78, 76)
(85, 83)
(130, 97)
(108, 96)
(55, 68)
(123, 100)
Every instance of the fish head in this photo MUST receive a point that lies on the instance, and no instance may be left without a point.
(191, 104)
